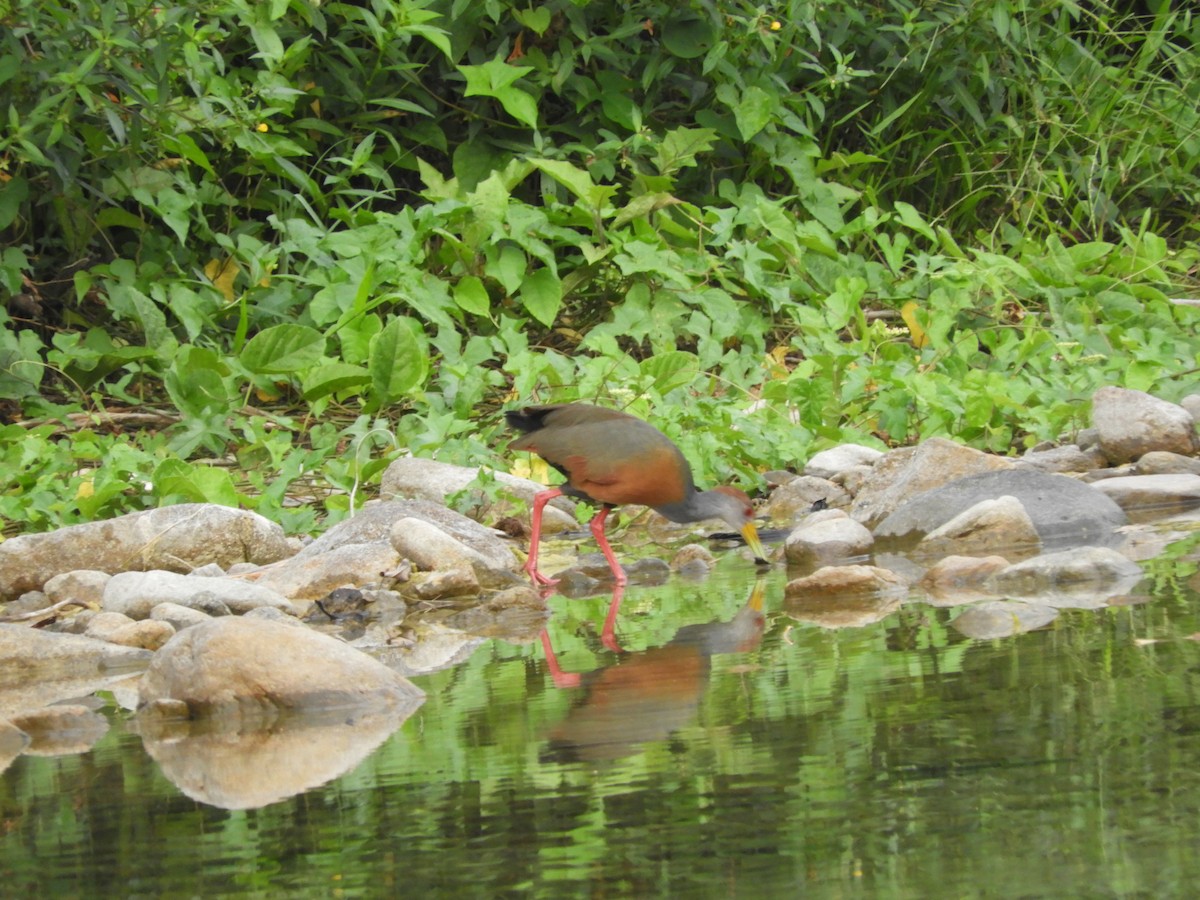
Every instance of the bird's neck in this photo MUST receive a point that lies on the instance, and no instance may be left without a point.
(690, 509)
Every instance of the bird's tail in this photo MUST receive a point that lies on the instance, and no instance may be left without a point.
(531, 418)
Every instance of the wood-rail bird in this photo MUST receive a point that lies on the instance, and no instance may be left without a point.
(612, 458)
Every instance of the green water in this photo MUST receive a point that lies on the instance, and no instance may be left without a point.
(763, 758)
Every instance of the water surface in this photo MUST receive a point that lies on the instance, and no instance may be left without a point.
(724, 752)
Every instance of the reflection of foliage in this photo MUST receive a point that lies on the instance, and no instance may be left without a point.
(1170, 570)
(897, 758)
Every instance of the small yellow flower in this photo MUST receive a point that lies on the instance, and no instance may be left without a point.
(776, 25)
(262, 127)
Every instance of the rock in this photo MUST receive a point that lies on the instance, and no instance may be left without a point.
(1151, 496)
(150, 634)
(516, 615)
(1192, 404)
(449, 583)
(179, 616)
(826, 537)
(1001, 618)
(648, 570)
(796, 499)
(832, 462)
(373, 525)
(1131, 423)
(694, 558)
(1083, 577)
(250, 670)
(311, 577)
(853, 479)
(988, 525)
(28, 604)
(13, 742)
(103, 624)
(136, 593)
(1061, 508)
(271, 614)
(955, 580)
(248, 769)
(410, 478)
(212, 570)
(175, 538)
(61, 730)
(904, 474)
(1068, 458)
(433, 549)
(85, 586)
(773, 478)
(574, 583)
(844, 580)
(1162, 462)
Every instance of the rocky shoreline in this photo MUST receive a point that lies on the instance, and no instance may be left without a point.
(207, 620)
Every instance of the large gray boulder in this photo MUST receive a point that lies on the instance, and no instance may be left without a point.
(1063, 510)
(911, 471)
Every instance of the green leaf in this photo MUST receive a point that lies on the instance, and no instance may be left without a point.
(680, 146)
(398, 363)
(200, 484)
(92, 359)
(641, 207)
(12, 194)
(282, 349)
(198, 383)
(332, 378)
(472, 296)
(541, 294)
(670, 370)
(753, 110)
(536, 20)
(186, 147)
(355, 337)
(689, 36)
(128, 302)
(21, 367)
(495, 79)
(507, 265)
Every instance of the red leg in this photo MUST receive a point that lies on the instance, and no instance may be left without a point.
(535, 534)
(561, 679)
(608, 635)
(598, 534)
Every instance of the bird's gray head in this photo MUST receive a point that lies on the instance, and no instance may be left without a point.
(734, 507)
(729, 504)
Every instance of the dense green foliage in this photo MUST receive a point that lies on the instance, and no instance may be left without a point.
(252, 249)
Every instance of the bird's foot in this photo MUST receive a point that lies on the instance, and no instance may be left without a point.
(540, 580)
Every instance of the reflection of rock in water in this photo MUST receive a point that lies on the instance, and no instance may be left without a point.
(235, 769)
(242, 712)
(61, 730)
(646, 696)
(12, 741)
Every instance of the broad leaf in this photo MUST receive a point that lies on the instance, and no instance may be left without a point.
(283, 349)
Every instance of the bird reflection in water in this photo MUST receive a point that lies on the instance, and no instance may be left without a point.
(645, 696)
